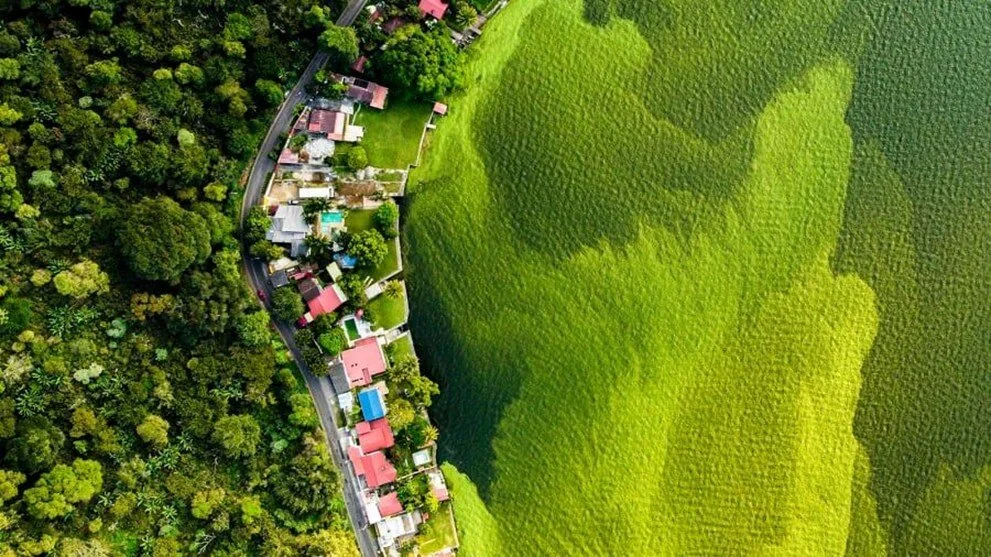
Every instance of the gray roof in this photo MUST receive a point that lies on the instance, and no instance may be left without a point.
(288, 224)
(279, 278)
(339, 377)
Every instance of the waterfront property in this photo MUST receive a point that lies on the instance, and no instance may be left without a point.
(363, 362)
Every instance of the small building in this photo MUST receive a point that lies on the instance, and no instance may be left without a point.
(287, 156)
(398, 527)
(359, 64)
(309, 289)
(422, 458)
(440, 108)
(375, 435)
(316, 193)
(289, 226)
(372, 404)
(327, 122)
(367, 92)
(363, 362)
(328, 300)
(339, 378)
(279, 279)
(346, 401)
(389, 505)
(374, 468)
(334, 271)
(433, 8)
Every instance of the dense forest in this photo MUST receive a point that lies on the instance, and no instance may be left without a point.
(145, 406)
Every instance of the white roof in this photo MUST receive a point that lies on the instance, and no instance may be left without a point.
(421, 458)
(289, 218)
(395, 527)
(346, 401)
(314, 193)
(354, 134)
(372, 512)
(281, 263)
(334, 271)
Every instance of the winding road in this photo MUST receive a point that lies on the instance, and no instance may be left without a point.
(257, 275)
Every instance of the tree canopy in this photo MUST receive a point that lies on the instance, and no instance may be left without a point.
(161, 239)
(422, 63)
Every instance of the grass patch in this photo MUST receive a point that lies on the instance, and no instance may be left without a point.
(392, 136)
(400, 348)
(361, 220)
(437, 533)
(388, 312)
(351, 329)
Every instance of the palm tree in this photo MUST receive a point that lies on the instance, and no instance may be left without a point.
(314, 207)
(430, 434)
(393, 289)
(319, 247)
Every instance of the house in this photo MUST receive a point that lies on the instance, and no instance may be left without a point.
(363, 362)
(365, 91)
(328, 300)
(374, 436)
(289, 226)
(309, 288)
(359, 64)
(288, 157)
(389, 505)
(279, 279)
(397, 527)
(329, 123)
(440, 109)
(374, 468)
(433, 8)
(339, 378)
(372, 404)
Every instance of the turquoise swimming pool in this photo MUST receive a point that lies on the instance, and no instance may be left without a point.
(332, 217)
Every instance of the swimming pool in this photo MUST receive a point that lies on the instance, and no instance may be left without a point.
(331, 217)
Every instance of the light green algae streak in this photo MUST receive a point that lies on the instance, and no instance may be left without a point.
(676, 391)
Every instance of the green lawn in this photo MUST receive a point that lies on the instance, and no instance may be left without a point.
(400, 348)
(388, 312)
(360, 220)
(438, 532)
(392, 136)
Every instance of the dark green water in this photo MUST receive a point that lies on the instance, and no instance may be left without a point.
(919, 231)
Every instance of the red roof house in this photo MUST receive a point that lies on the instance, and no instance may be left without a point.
(433, 8)
(440, 108)
(390, 505)
(359, 64)
(330, 298)
(376, 469)
(363, 362)
(375, 435)
(328, 122)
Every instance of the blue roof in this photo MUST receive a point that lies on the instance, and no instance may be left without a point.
(372, 405)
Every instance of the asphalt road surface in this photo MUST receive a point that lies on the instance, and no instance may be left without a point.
(320, 387)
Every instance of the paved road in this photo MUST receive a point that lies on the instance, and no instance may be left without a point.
(320, 387)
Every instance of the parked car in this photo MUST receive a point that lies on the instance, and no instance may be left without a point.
(261, 295)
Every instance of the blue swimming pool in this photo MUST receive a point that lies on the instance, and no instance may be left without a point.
(332, 217)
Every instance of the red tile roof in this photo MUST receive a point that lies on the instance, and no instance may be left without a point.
(440, 108)
(376, 469)
(288, 157)
(328, 122)
(326, 302)
(390, 505)
(375, 435)
(363, 362)
(434, 8)
(359, 64)
(440, 493)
